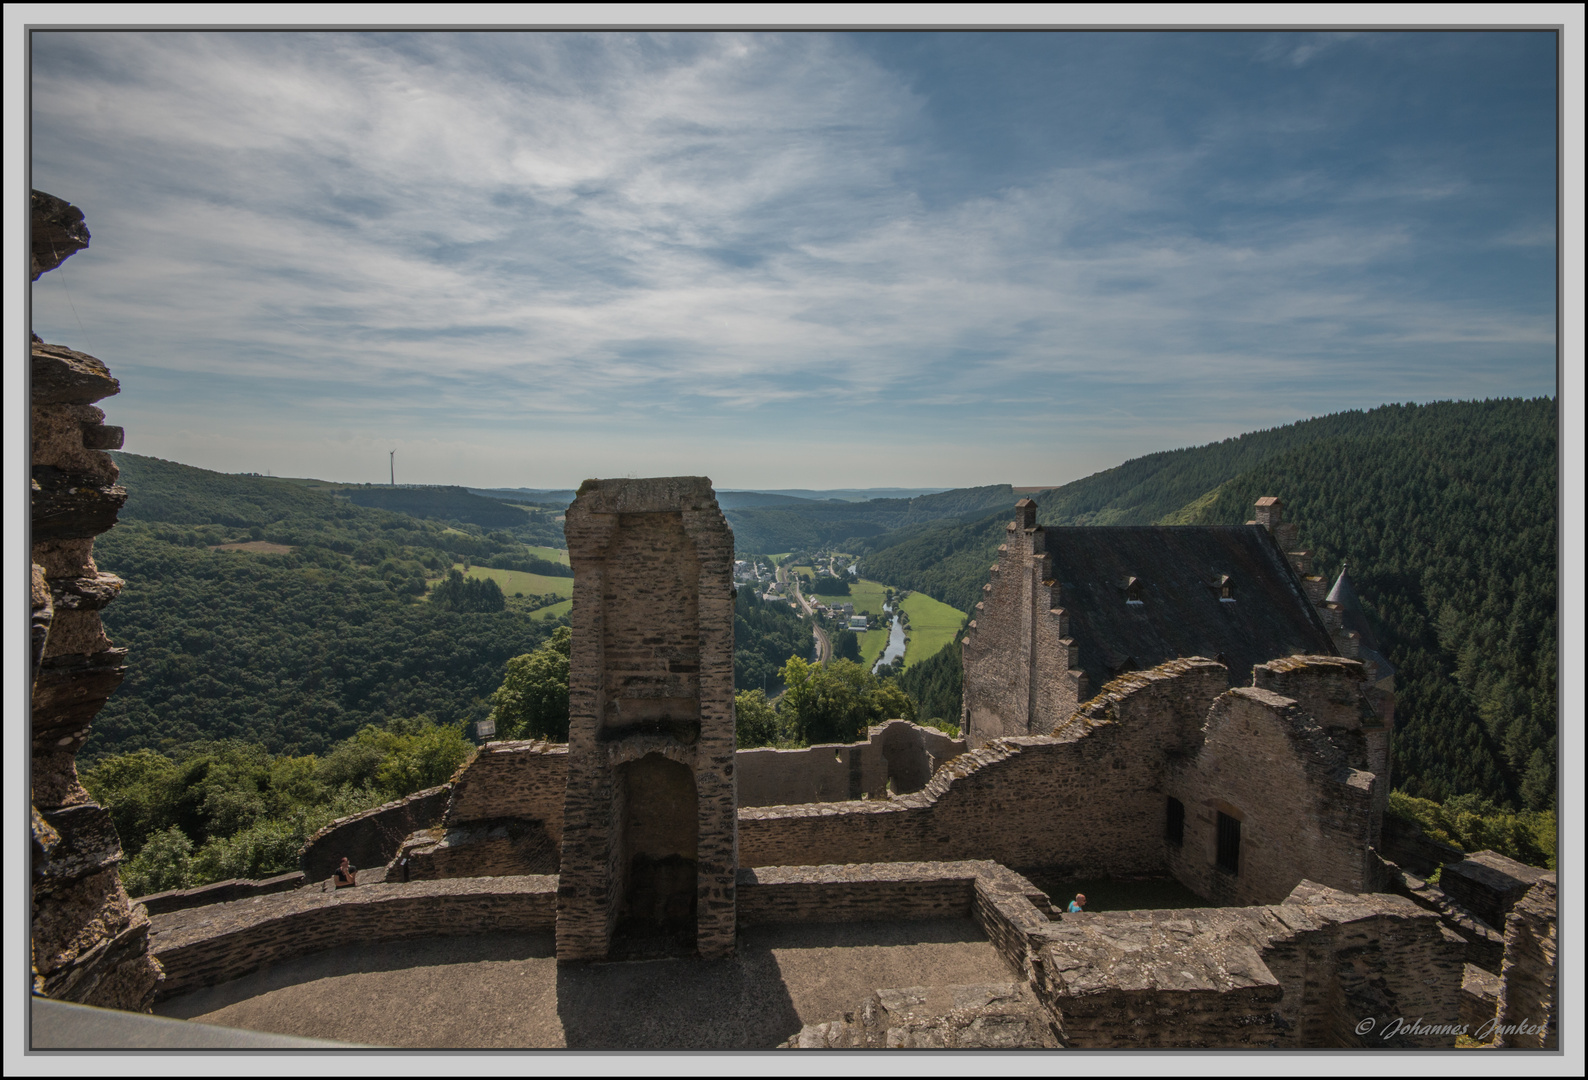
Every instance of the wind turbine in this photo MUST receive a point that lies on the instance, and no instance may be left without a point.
(393, 463)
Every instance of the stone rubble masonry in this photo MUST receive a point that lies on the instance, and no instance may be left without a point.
(214, 944)
(1303, 811)
(1485, 945)
(219, 892)
(897, 756)
(896, 891)
(1091, 799)
(1527, 1011)
(1489, 884)
(490, 848)
(371, 838)
(1480, 999)
(89, 943)
(516, 791)
(651, 675)
(1018, 651)
(998, 1016)
(525, 779)
(1305, 973)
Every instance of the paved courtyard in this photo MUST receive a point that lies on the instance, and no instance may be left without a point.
(505, 991)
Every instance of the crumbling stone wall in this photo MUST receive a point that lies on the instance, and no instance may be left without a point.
(89, 943)
(1336, 692)
(1087, 800)
(371, 838)
(897, 756)
(651, 677)
(1489, 884)
(1528, 1014)
(1303, 812)
(1020, 668)
(1322, 969)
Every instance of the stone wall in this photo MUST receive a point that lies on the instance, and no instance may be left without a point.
(1528, 1012)
(1335, 692)
(1020, 671)
(1489, 884)
(526, 779)
(372, 838)
(1087, 800)
(1303, 812)
(206, 946)
(89, 943)
(1306, 973)
(897, 756)
(650, 691)
(219, 892)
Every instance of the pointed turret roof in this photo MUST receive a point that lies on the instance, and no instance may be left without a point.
(1344, 594)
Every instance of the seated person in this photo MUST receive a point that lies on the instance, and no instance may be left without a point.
(1078, 904)
(345, 874)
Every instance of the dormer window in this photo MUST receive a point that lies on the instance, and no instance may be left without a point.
(1225, 586)
(1133, 592)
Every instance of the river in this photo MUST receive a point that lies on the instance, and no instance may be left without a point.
(895, 644)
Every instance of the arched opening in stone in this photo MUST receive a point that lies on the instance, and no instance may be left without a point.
(657, 850)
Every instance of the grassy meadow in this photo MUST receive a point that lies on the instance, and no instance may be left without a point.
(933, 625)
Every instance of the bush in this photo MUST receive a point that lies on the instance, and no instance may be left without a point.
(164, 863)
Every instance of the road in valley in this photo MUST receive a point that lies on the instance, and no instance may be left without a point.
(824, 645)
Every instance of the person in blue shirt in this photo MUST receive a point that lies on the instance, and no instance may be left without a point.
(1079, 903)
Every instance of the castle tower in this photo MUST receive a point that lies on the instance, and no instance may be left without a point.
(650, 840)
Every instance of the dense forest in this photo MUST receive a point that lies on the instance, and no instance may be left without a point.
(1447, 516)
(816, 524)
(1448, 521)
(315, 629)
(765, 635)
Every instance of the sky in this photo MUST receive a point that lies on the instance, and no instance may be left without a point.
(807, 259)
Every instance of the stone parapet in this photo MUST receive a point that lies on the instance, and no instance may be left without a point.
(898, 757)
(372, 838)
(219, 892)
(214, 944)
(1293, 974)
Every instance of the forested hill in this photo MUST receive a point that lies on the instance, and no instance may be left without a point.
(835, 523)
(1448, 521)
(1447, 515)
(313, 629)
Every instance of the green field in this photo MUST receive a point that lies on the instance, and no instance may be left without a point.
(872, 642)
(550, 555)
(933, 625)
(804, 571)
(562, 607)
(867, 596)
(777, 560)
(517, 581)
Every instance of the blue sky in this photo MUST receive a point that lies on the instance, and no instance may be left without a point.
(789, 260)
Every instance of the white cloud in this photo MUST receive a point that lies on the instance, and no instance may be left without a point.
(652, 231)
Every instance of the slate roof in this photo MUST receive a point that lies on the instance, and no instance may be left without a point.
(1178, 570)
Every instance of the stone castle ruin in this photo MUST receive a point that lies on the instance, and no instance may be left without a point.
(1185, 703)
(649, 833)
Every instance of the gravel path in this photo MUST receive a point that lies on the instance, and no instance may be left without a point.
(505, 991)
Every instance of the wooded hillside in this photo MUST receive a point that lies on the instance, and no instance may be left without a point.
(1447, 515)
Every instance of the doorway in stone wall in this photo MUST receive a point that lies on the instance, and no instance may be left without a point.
(658, 837)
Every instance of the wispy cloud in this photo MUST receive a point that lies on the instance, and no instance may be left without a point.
(661, 232)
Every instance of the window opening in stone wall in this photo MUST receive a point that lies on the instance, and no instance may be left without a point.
(1174, 826)
(1229, 851)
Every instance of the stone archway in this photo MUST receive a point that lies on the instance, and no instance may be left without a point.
(657, 843)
